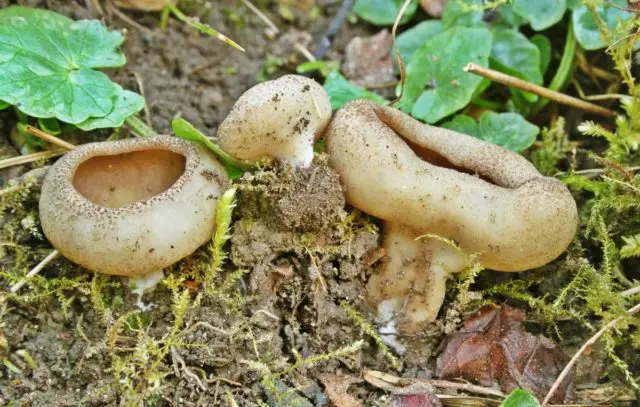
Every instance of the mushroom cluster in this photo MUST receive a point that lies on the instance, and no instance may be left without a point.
(135, 206)
(131, 207)
(423, 180)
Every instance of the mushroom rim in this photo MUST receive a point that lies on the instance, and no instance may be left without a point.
(69, 164)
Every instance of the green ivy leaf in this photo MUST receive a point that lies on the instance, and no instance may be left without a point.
(463, 124)
(438, 66)
(514, 54)
(520, 398)
(47, 64)
(544, 46)
(541, 14)
(460, 13)
(409, 41)
(383, 12)
(126, 104)
(509, 130)
(586, 29)
(341, 91)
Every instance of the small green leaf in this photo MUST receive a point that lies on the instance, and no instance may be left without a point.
(631, 247)
(541, 14)
(586, 29)
(509, 17)
(185, 130)
(126, 104)
(409, 41)
(460, 13)
(509, 130)
(514, 54)
(520, 398)
(383, 12)
(544, 46)
(47, 64)
(341, 91)
(463, 124)
(4, 105)
(438, 66)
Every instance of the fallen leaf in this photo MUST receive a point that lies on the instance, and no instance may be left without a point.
(368, 60)
(493, 346)
(336, 389)
(433, 7)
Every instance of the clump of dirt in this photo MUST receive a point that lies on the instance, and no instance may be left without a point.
(294, 199)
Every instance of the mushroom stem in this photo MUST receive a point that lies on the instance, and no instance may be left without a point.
(410, 287)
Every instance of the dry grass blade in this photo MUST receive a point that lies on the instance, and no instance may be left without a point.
(49, 138)
(50, 257)
(29, 158)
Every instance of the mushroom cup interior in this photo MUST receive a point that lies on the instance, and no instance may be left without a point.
(434, 158)
(115, 181)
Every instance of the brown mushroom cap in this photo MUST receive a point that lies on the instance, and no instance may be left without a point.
(488, 199)
(277, 119)
(131, 207)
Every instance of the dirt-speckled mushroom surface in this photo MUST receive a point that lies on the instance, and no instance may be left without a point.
(131, 207)
(426, 180)
(277, 119)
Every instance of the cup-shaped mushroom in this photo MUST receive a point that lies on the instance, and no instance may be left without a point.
(131, 207)
(277, 119)
(422, 180)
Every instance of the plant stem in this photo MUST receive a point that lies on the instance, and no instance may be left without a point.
(564, 69)
(138, 127)
(557, 97)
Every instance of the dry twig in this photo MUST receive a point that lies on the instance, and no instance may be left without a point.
(49, 138)
(557, 97)
(50, 257)
(29, 158)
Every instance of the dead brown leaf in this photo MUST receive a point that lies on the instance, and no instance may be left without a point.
(433, 7)
(493, 346)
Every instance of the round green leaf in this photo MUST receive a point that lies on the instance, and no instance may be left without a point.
(126, 104)
(436, 84)
(463, 124)
(409, 41)
(47, 62)
(541, 14)
(509, 130)
(509, 18)
(461, 13)
(514, 54)
(341, 91)
(383, 12)
(586, 29)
